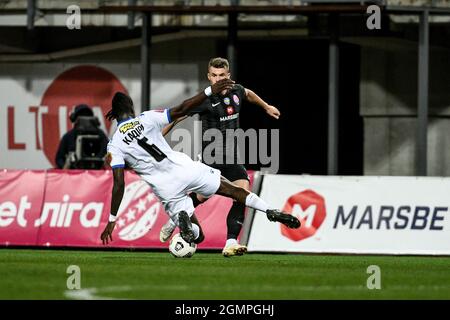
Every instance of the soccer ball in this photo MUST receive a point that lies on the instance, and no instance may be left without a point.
(180, 248)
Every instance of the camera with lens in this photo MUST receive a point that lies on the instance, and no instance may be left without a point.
(89, 145)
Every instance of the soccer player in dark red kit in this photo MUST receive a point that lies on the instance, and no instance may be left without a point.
(221, 111)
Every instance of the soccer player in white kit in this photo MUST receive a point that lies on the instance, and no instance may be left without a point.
(138, 142)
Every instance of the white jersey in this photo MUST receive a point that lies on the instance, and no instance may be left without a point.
(139, 143)
(136, 139)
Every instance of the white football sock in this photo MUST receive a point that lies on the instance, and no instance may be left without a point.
(172, 223)
(196, 230)
(230, 242)
(255, 202)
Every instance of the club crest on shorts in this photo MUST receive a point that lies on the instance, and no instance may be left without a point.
(226, 100)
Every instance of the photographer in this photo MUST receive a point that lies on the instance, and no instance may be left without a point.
(85, 124)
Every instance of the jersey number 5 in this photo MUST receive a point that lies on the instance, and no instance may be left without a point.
(153, 150)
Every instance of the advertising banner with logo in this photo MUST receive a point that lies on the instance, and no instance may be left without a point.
(372, 215)
(21, 201)
(71, 208)
(37, 100)
(75, 204)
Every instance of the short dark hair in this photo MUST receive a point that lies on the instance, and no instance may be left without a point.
(218, 62)
(121, 103)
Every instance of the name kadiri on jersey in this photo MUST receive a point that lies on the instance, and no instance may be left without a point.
(133, 131)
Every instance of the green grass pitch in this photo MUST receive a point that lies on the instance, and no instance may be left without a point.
(41, 274)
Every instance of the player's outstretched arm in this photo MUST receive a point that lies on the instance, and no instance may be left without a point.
(170, 126)
(116, 199)
(252, 97)
(187, 105)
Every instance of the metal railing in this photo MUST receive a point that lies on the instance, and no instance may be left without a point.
(87, 4)
(209, 13)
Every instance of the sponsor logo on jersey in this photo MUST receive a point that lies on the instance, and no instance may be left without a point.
(230, 117)
(230, 110)
(215, 104)
(236, 99)
(226, 100)
(128, 126)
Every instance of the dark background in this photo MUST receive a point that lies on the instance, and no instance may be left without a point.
(293, 76)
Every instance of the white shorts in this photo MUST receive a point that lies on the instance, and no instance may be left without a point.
(193, 176)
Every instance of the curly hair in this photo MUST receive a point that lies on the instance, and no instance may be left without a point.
(121, 104)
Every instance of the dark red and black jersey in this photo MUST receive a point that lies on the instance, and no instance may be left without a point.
(222, 112)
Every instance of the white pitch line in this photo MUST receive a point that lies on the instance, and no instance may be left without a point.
(92, 293)
(96, 293)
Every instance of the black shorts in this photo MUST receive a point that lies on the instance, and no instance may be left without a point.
(232, 172)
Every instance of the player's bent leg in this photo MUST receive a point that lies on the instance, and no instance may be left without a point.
(180, 209)
(186, 228)
(167, 230)
(169, 227)
(235, 220)
(197, 199)
(230, 190)
(213, 183)
(251, 200)
(234, 249)
(201, 235)
(287, 219)
(236, 215)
